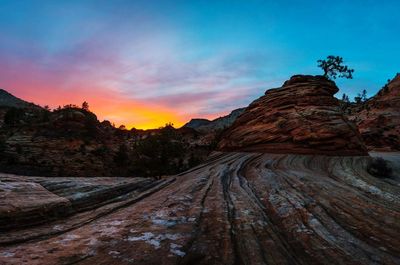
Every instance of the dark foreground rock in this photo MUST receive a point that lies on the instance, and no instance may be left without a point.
(300, 117)
(239, 208)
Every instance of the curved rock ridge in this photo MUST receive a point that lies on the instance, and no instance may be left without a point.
(378, 119)
(239, 208)
(300, 117)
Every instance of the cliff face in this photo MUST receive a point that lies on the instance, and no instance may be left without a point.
(302, 117)
(378, 119)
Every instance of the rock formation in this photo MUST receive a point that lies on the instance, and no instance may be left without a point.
(302, 117)
(239, 208)
(378, 119)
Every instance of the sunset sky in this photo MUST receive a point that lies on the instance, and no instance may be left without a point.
(146, 63)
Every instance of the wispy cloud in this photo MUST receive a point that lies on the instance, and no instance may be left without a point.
(145, 85)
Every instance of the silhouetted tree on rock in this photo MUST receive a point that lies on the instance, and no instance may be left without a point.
(333, 67)
(85, 106)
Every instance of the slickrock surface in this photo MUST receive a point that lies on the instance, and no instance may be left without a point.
(27, 201)
(378, 119)
(239, 208)
(301, 117)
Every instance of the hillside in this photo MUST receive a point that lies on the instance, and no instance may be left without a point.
(72, 142)
(9, 100)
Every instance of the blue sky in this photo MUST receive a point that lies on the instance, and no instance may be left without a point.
(136, 60)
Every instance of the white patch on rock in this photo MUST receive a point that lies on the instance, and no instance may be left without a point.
(108, 231)
(175, 249)
(58, 227)
(7, 254)
(167, 223)
(68, 238)
(92, 242)
(113, 253)
(116, 222)
(154, 240)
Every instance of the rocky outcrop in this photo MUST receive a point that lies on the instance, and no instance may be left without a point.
(239, 208)
(301, 117)
(378, 119)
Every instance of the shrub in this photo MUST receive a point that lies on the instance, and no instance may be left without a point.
(122, 156)
(13, 116)
(378, 167)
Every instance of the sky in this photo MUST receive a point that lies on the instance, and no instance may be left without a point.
(146, 63)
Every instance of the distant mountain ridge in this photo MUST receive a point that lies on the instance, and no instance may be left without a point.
(204, 125)
(9, 100)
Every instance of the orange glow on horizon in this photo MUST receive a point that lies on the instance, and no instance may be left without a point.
(137, 115)
(107, 103)
(107, 106)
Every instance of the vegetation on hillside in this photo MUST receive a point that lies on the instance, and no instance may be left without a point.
(70, 141)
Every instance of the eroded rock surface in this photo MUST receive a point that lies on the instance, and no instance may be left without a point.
(27, 201)
(239, 208)
(301, 117)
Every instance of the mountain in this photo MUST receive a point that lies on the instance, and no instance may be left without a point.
(378, 119)
(207, 126)
(301, 117)
(8, 100)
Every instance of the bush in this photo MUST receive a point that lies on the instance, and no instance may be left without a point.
(121, 158)
(13, 116)
(378, 167)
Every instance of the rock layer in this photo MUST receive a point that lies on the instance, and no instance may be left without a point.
(378, 119)
(239, 208)
(301, 117)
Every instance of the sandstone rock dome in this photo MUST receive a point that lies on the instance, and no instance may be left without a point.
(300, 117)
